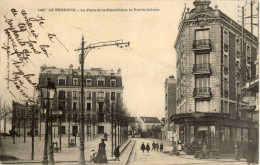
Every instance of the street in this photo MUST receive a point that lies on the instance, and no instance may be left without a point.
(161, 158)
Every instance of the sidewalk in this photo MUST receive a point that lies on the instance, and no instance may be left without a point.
(22, 150)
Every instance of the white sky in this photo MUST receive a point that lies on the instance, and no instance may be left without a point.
(151, 33)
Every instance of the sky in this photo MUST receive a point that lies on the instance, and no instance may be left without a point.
(145, 64)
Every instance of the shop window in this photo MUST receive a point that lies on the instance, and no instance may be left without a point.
(191, 134)
(245, 135)
(238, 135)
(213, 141)
(225, 132)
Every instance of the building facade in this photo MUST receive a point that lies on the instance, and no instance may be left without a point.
(100, 86)
(147, 125)
(170, 105)
(213, 64)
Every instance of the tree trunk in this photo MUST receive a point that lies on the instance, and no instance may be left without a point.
(4, 125)
(33, 122)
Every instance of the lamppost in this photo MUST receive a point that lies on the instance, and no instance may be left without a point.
(48, 91)
(60, 113)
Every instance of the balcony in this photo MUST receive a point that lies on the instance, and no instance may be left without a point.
(201, 68)
(62, 98)
(203, 44)
(202, 93)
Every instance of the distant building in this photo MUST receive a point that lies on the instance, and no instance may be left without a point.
(147, 124)
(99, 86)
(170, 105)
(132, 126)
(213, 65)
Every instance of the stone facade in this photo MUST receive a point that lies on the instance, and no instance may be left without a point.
(213, 65)
(101, 87)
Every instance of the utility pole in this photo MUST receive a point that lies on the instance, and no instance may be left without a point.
(84, 51)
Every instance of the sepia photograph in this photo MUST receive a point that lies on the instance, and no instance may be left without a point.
(129, 82)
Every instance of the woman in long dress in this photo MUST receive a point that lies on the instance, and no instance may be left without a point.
(101, 155)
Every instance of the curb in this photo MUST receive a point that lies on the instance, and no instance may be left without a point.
(127, 161)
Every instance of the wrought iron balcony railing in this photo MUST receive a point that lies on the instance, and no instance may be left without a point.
(101, 99)
(201, 44)
(201, 68)
(204, 92)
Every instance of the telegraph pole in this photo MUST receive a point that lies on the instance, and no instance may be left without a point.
(84, 52)
(81, 147)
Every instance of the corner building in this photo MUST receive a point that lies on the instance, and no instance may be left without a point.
(100, 87)
(213, 66)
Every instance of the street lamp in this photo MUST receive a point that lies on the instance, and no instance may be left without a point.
(48, 91)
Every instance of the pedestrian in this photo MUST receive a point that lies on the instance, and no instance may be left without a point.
(92, 155)
(147, 148)
(143, 147)
(117, 153)
(161, 147)
(236, 152)
(153, 145)
(250, 152)
(157, 146)
(101, 155)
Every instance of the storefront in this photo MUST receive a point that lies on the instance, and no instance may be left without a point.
(217, 131)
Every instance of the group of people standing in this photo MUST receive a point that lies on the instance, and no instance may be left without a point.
(155, 146)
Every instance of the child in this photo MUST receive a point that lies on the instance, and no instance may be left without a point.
(92, 155)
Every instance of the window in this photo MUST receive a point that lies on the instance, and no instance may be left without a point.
(112, 83)
(226, 37)
(62, 105)
(88, 117)
(88, 106)
(225, 61)
(74, 94)
(202, 34)
(89, 82)
(112, 75)
(75, 73)
(225, 109)
(191, 134)
(202, 82)
(101, 83)
(88, 75)
(202, 58)
(61, 95)
(100, 107)
(226, 84)
(75, 81)
(101, 94)
(62, 82)
(63, 130)
(88, 95)
(100, 129)
(101, 117)
(74, 106)
(202, 106)
(248, 54)
(113, 95)
(238, 45)
(88, 129)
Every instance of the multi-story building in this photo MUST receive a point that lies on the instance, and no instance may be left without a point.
(132, 126)
(100, 86)
(213, 66)
(170, 105)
